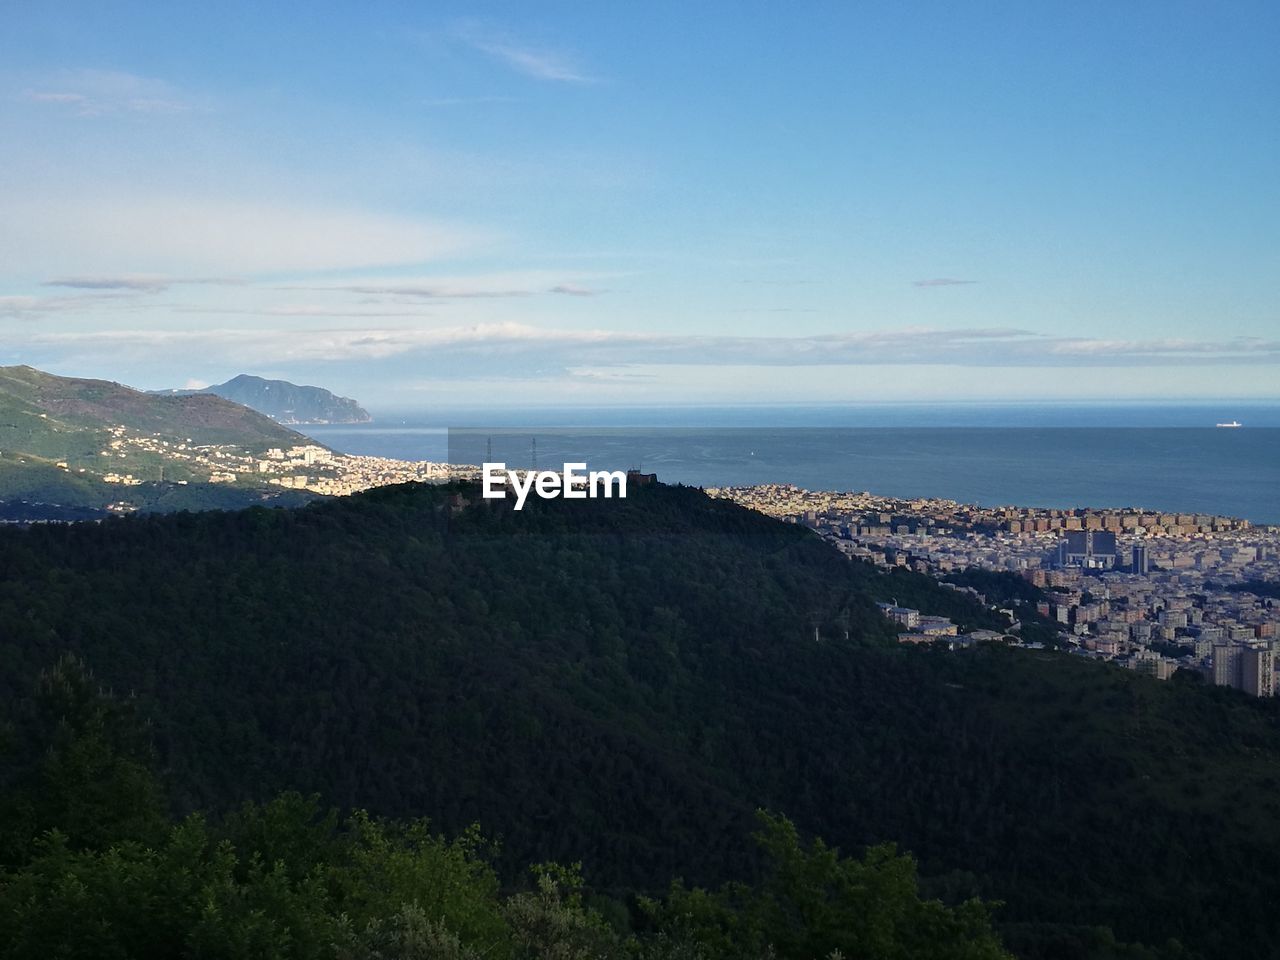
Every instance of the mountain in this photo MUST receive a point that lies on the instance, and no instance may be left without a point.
(287, 402)
(70, 404)
(63, 438)
(625, 682)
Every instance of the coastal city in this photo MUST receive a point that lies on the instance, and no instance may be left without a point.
(308, 467)
(601, 481)
(1154, 592)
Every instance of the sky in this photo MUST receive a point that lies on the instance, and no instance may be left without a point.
(525, 204)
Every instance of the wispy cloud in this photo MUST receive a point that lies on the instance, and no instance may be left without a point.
(49, 96)
(305, 310)
(30, 308)
(93, 93)
(574, 290)
(538, 62)
(90, 235)
(423, 291)
(942, 282)
(608, 375)
(774, 310)
(501, 285)
(141, 284)
(465, 101)
(458, 351)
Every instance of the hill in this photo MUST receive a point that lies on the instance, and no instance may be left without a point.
(286, 402)
(90, 866)
(64, 440)
(625, 682)
(71, 404)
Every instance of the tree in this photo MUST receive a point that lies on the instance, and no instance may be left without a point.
(815, 903)
(82, 767)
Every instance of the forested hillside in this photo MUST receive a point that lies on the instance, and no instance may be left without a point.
(60, 444)
(91, 866)
(625, 682)
(63, 417)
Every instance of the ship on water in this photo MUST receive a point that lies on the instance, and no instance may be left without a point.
(1232, 424)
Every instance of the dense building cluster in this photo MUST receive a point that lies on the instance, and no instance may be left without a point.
(303, 467)
(322, 471)
(1152, 591)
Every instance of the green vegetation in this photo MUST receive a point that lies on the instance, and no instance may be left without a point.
(31, 489)
(55, 433)
(624, 683)
(45, 415)
(998, 586)
(89, 867)
(1011, 592)
(23, 477)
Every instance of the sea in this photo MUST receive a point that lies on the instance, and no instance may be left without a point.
(1166, 457)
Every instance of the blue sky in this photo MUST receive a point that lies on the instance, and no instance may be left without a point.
(536, 203)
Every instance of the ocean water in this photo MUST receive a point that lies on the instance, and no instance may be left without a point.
(1167, 458)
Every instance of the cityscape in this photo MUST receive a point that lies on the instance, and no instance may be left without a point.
(1153, 592)
(667, 481)
(307, 466)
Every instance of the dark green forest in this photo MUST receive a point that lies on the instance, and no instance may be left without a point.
(91, 865)
(625, 684)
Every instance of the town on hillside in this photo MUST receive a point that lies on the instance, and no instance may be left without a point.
(1155, 592)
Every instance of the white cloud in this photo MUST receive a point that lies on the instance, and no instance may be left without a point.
(95, 93)
(42, 96)
(533, 61)
(518, 347)
(574, 290)
(429, 290)
(476, 286)
(108, 234)
(139, 283)
(136, 283)
(304, 310)
(30, 308)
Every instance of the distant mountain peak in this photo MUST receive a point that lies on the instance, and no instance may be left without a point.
(289, 403)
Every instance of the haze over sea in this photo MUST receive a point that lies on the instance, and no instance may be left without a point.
(1166, 457)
